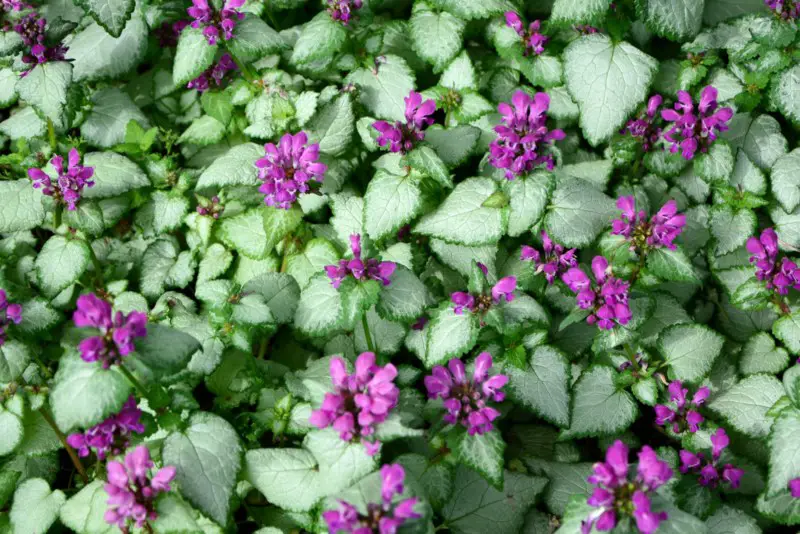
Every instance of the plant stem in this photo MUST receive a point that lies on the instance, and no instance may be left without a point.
(72, 455)
(272, 20)
(56, 217)
(632, 356)
(246, 72)
(132, 379)
(367, 336)
(638, 270)
(51, 135)
(98, 268)
(285, 261)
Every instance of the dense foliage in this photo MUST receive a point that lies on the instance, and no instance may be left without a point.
(378, 266)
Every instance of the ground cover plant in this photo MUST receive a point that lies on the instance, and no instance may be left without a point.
(379, 266)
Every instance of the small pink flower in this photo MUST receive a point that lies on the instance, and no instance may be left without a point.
(402, 137)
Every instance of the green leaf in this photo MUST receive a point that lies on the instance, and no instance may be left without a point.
(760, 355)
(333, 126)
(784, 462)
(585, 12)
(382, 90)
(475, 507)
(787, 92)
(110, 14)
(473, 9)
(449, 335)
(785, 180)
(203, 131)
(193, 56)
(254, 39)
(341, 464)
(14, 358)
(608, 81)
(405, 298)
(97, 55)
(578, 213)
(716, 165)
(163, 213)
(598, 407)
(484, 454)
(752, 295)
(317, 254)
(727, 520)
(8, 92)
(279, 291)
(60, 263)
(22, 207)
(236, 167)
(461, 218)
(453, 145)
(13, 432)
(435, 37)
(85, 393)
(596, 172)
(278, 223)
(787, 329)
(83, 512)
(113, 175)
(252, 310)
(529, 196)
(719, 10)
(731, 228)
(689, 350)
(671, 265)
(679, 20)
(543, 70)
(760, 137)
(208, 457)
(35, 507)
(434, 479)
(320, 310)
(319, 39)
(288, 478)
(745, 405)
(426, 161)
(164, 350)
(112, 110)
(459, 74)
(542, 386)
(246, 233)
(45, 88)
(390, 202)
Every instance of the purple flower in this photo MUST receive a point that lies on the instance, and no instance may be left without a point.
(342, 10)
(615, 493)
(385, 517)
(31, 28)
(402, 137)
(110, 437)
(502, 290)
(710, 472)
(132, 491)
(554, 262)
(215, 22)
(117, 331)
(466, 400)
(523, 139)
(212, 208)
(779, 277)
(607, 299)
(682, 415)
(785, 9)
(794, 487)
(70, 181)
(215, 73)
(360, 401)
(369, 269)
(644, 126)
(169, 33)
(287, 168)
(660, 231)
(9, 313)
(692, 132)
(13, 5)
(585, 29)
(533, 40)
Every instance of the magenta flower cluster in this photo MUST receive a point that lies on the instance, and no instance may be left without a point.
(555, 260)
(111, 436)
(117, 332)
(794, 487)
(385, 517)
(523, 140)
(533, 40)
(607, 298)
(216, 23)
(359, 401)
(402, 137)
(132, 490)
(342, 10)
(682, 414)
(211, 208)
(10, 313)
(710, 472)
(216, 73)
(615, 494)
(785, 9)
(691, 130)
(645, 126)
(502, 290)
(169, 33)
(779, 276)
(31, 28)
(287, 168)
(660, 231)
(70, 182)
(359, 269)
(467, 399)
